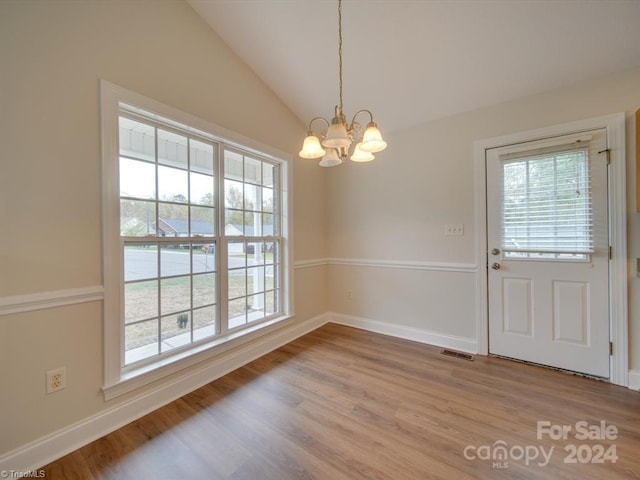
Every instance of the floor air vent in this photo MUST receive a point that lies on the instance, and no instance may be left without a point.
(463, 356)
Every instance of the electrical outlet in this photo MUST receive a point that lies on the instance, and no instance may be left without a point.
(350, 294)
(456, 229)
(56, 379)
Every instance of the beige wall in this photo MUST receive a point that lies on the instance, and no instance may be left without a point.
(52, 55)
(396, 208)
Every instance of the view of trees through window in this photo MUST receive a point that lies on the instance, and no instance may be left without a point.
(168, 183)
(250, 198)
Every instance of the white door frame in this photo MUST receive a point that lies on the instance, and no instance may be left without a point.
(618, 307)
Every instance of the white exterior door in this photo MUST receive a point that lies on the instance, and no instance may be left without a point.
(547, 236)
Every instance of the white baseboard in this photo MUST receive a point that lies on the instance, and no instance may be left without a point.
(462, 344)
(634, 379)
(57, 444)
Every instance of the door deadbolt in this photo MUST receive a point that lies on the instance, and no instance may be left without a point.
(495, 251)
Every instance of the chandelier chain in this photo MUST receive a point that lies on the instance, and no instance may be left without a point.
(340, 48)
(340, 136)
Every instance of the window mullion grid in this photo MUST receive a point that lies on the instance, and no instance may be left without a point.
(159, 247)
(276, 275)
(222, 324)
(258, 207)
(222, 242)
(277, 198)
(218, 188)
(244, 200)
(258, 241)
(123, 324)
(189, 204)
(277, 241)
(246, 279)
(244, 238)
(263, 247)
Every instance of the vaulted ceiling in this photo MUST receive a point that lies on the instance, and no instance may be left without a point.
(414, 61)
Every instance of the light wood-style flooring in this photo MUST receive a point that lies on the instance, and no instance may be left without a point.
(341, 403)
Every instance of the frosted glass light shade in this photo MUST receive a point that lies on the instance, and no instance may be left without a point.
(372, 139)
(311, 148)
(361, 156)
(331, 159)
(337, 136)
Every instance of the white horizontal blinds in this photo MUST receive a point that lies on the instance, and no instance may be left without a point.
(547, 201)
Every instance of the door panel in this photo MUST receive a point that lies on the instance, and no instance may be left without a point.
(571, 320)
(518, 317)
(547, 233)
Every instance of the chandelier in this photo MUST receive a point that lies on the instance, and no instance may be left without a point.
(339, 135)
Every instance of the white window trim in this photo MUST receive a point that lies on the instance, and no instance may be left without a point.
(116, 381)
(618, 308)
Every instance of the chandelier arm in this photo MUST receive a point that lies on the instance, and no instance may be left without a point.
(353, 120)
(318, 118)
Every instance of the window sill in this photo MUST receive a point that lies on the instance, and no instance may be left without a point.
(135, 378)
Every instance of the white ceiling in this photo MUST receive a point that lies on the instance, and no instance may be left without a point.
(413, 61)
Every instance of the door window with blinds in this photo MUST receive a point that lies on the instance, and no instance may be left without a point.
(547, 212)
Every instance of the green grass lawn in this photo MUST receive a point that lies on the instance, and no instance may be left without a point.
(141, 301)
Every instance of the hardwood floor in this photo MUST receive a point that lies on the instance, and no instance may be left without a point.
(341, 403)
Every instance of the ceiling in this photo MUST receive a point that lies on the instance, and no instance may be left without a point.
(414, 61)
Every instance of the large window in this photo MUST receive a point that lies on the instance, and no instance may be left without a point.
(251, 216)
(168, 231)
(194, 240)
